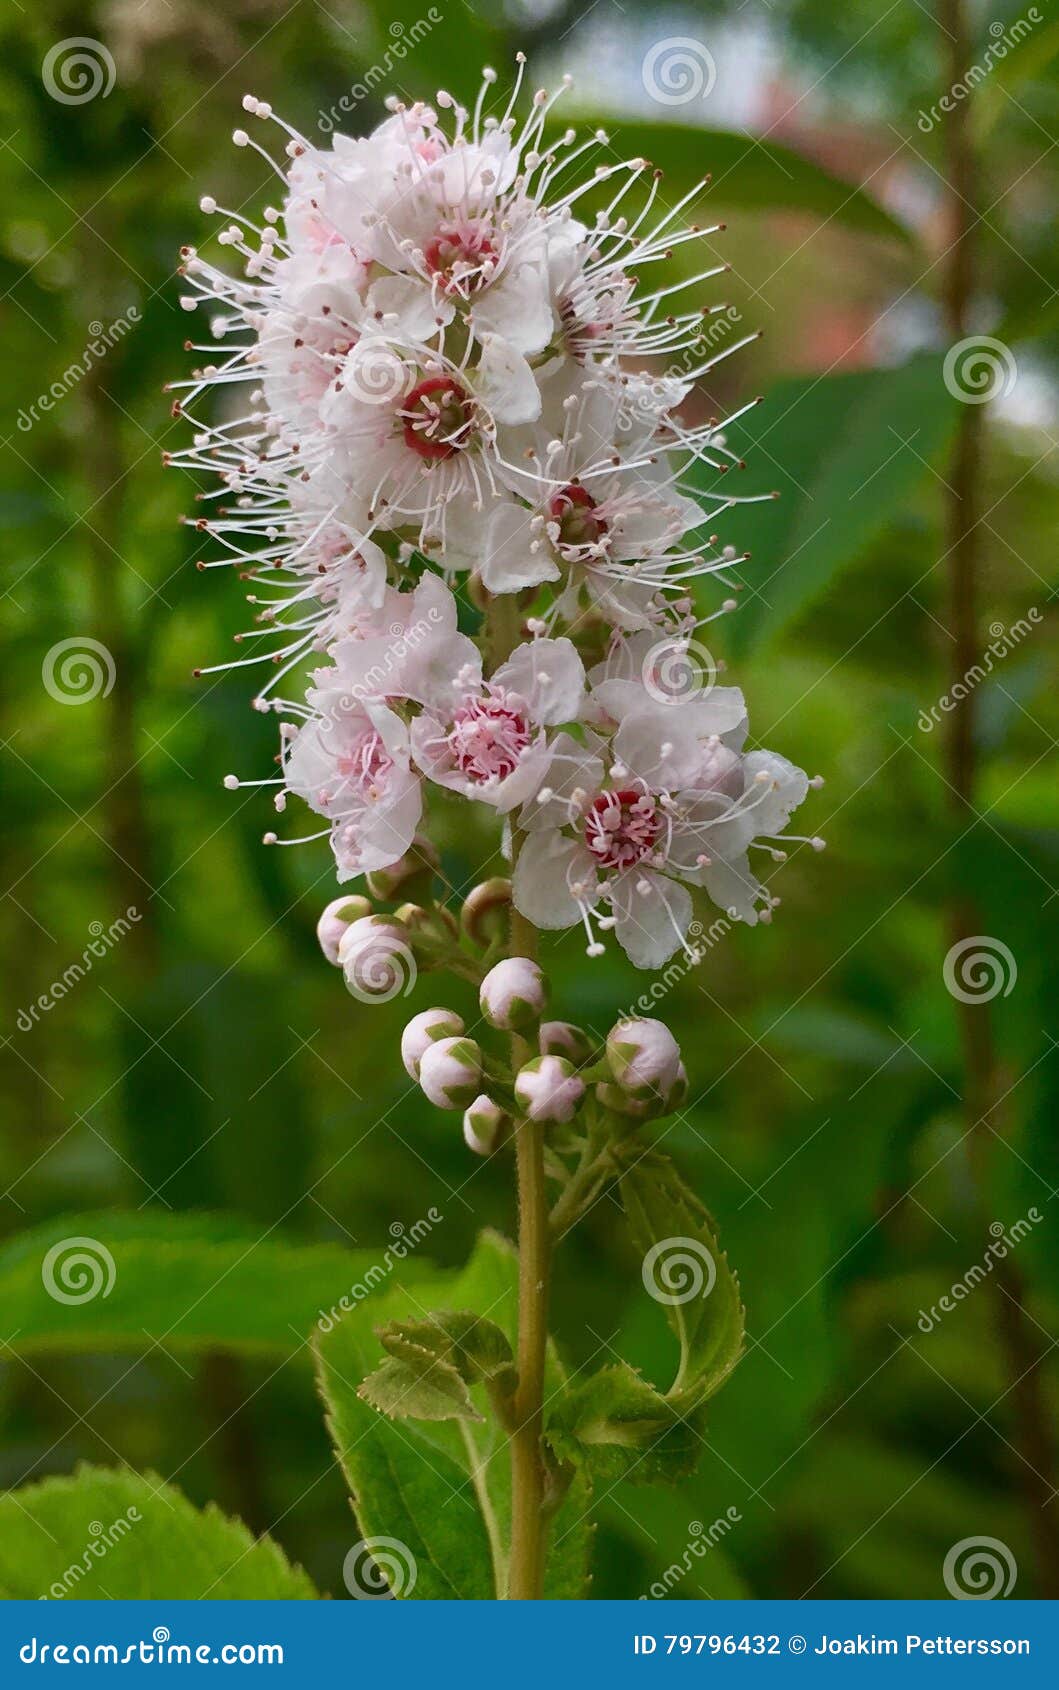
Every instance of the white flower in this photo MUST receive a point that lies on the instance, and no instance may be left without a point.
(644, 1058)
(548, 1089)
(487, 739)
(563, 1038)
(426, 1029)
(513, 993)
(450, 1072)
(626, 819)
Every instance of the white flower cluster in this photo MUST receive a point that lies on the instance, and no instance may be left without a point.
(449, 368)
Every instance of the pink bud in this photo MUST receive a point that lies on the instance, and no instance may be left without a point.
(562, 1038)
(376, 960)
(333, 923)
(513, 993)
(450, 1072)
(548, 1089)
(424, 1030)
(483, 1125)
(644, 1058)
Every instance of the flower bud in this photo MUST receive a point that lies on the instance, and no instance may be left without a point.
(678, 1092)
(484, 1124)
(619, 1102)
(338, 915)
(411, 875)
(375, 958)
(548, 1089)
(484, 913)
(562, 1038)
(644, 1058)
(432, 926)
(424, 1030)
(513, 993)
(450, 1072)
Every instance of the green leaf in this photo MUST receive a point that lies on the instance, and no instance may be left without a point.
(746, 173)
(121, 1535)
(845, 453)
(475, 1347)
(441, 1490)
(418, 1386)
(615, 1425)
(190, 1281)
(685, 1270)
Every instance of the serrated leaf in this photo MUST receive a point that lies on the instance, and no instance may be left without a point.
(845, 453)
(122, 1535)
(684, 1270)
(442, 1489)
(474, 1346)
(418, 1387)
(616, 1425)
(191, 1281)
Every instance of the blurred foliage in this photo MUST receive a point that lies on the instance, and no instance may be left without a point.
(210, 1061)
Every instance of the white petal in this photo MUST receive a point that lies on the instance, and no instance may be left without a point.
(547, 865)
(516, 307)
(505, 383)
(549, 675)
(652, 916)
(410, 300)
(733, 887)
(785, 789)
(506, 563)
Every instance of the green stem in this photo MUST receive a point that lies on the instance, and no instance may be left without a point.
(528, 1479)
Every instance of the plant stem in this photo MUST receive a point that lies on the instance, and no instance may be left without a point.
(1018, 1343)
(534, 1244)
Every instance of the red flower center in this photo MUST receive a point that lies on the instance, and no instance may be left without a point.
(461, 255)
(622, 828)
(574, 510)
(438, 417)
(489, 735)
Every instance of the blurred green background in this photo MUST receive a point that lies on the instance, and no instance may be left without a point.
(853, 1126)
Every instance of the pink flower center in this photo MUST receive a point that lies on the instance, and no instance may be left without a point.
(461, 255)
(366, 764)
(622, 828)
(489, 735)
(574, 509)
(438, 417)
